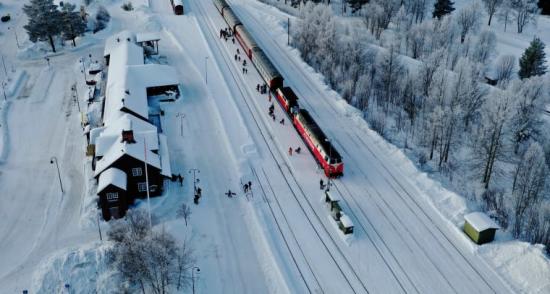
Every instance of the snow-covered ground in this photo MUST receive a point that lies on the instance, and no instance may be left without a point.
(278, 239)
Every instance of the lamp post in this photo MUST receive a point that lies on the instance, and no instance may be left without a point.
(194, 170)
(206, 69)
(75, 95)
(16, 39)
(83, 70)
(52, 160)
(181, 116)
(4, 84)
(193, 269)
(4, 64)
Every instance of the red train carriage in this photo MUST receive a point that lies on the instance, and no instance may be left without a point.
(177, 6)
(317, 142)
(287, 99)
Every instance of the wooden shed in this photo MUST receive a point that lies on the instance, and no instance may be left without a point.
(480, 227)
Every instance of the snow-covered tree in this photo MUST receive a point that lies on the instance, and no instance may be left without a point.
(73, 24)
(468, 19)
(531, 95)
(490, 141)
(505, 68)
(505, 12)
(442, 7)
(416, 8)
(491, 6)
(484, 47)
(532, 62)
(44, 21)
(529, 180)
(524, 12)
(152, 262)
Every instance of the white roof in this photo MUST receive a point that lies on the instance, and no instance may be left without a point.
(117, 89)
(346, 221)
(112, 176)
(112, 133)
(135, 150)
(144, 37)
(112, 42)
(127, 90)
(164, 156)
(480, 221)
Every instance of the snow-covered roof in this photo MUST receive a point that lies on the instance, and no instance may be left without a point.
(112, 133)
(112, 176)
(118, 93)
(127, 88)
(480, 221)
(145, 37)
(119, 149)
(346, 221)
(121, 37)
(164, 156)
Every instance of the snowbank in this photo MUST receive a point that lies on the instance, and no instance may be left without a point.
(83, 269)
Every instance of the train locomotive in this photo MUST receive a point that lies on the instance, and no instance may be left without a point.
(317, 142)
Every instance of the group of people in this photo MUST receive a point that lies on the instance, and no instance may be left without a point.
(247, 187)
(297, 150)
(198, 195)
(226, 33)
(261, 88)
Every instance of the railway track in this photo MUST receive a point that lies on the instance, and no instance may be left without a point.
(290, 181)
(399, 192)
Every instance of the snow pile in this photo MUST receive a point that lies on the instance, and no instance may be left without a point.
(521, 262)
(83, 269)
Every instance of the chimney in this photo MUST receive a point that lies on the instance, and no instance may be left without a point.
(128, 137)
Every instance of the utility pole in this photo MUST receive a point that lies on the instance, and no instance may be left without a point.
(288, 31)
(4, 84)
(206, 69)
(16, 39)
(83, 69)
(193, 269)
(99, 228)
(52, 160)
(4, 64)
(75, 96)
(181, 116)
(147, 184)
(194, 170)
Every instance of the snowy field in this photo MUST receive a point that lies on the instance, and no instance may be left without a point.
(277, 239)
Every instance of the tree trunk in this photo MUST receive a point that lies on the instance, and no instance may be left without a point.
(74, 42)
(51, 43)
(490, 18)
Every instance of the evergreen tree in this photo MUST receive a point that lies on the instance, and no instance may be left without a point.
(442, 7)
(533, 59)
(73, 24)
(44, 21)
(356, 5)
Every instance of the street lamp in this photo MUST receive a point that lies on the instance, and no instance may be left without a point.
(195, 170)
(52, 160)
(75, 96)
(181, 116)
(4, 84)
(83, 70)
(193, 269)
(16, 39)
(206, 69)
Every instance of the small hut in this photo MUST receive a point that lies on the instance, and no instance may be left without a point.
(480, 227)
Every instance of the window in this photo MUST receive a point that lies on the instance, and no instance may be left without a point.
(142, 187)
(136, 172)
(112, 197)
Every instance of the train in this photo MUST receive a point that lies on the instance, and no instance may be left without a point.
(177, 6)
(310, 132)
